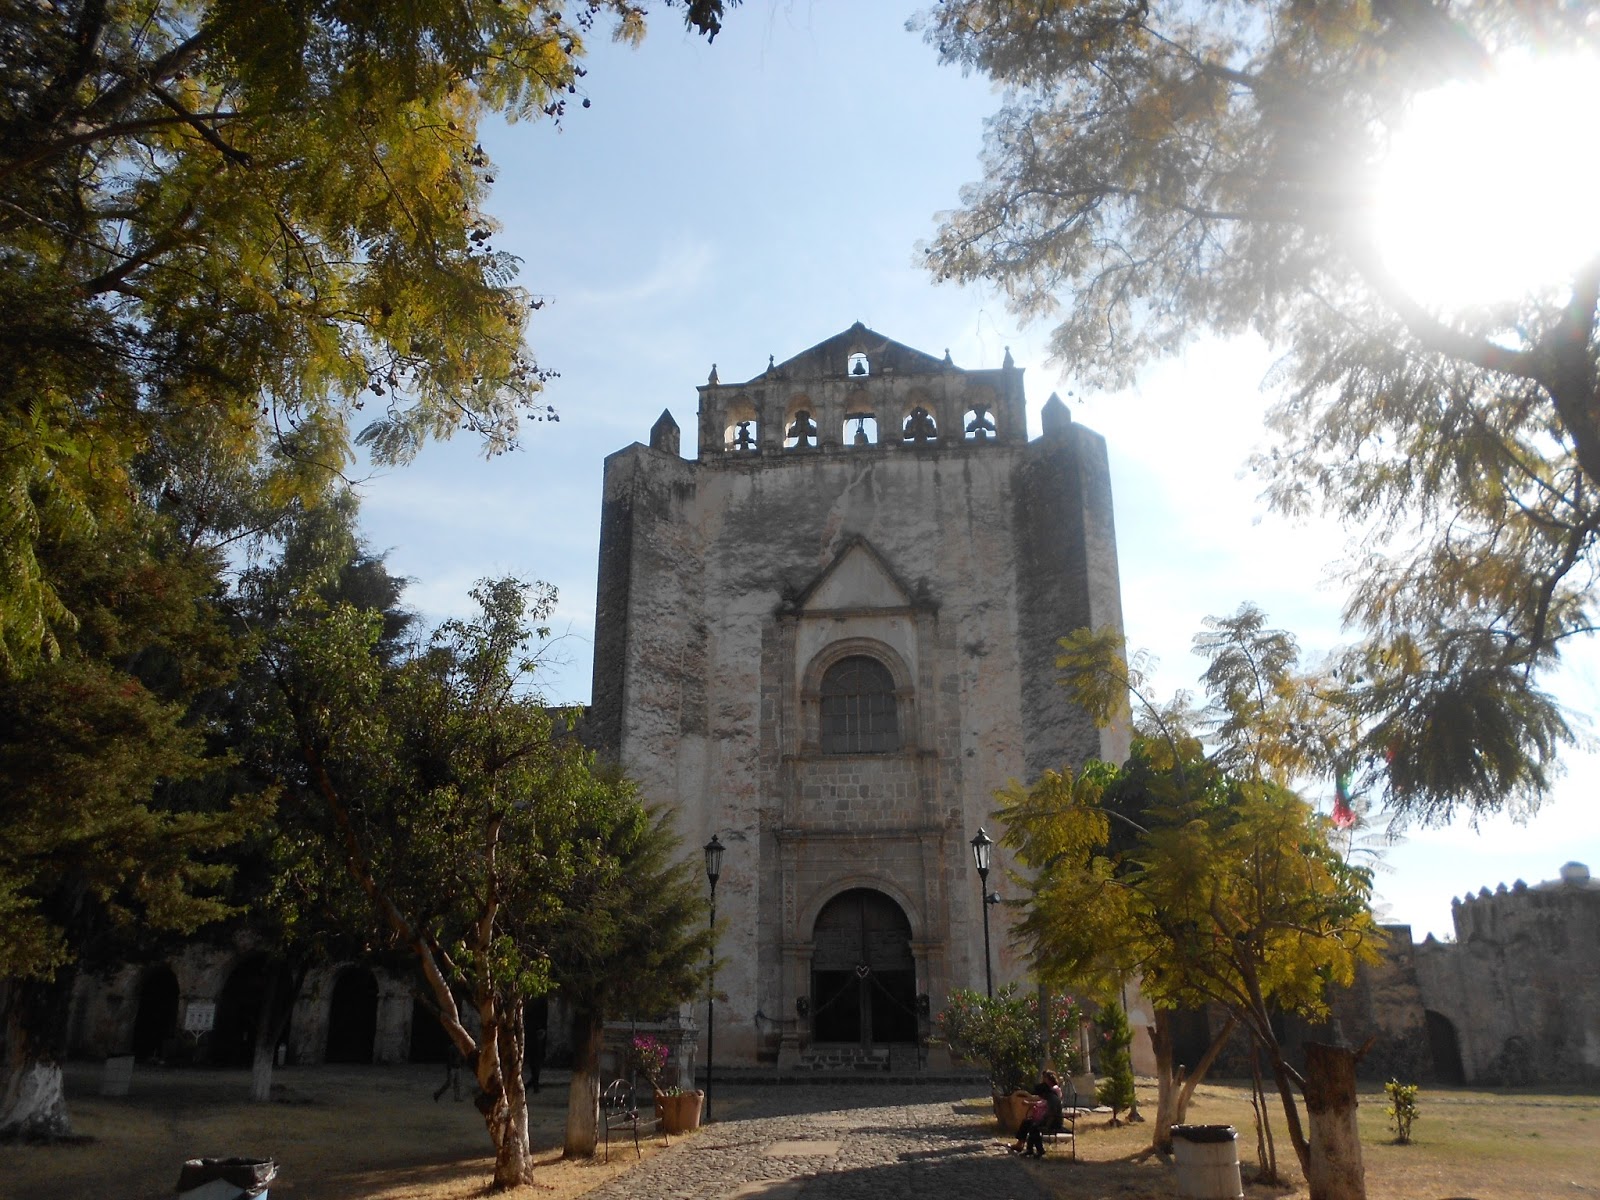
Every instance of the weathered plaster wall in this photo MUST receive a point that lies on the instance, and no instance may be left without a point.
(1521, 982)
(728, 573)
(106, 1006)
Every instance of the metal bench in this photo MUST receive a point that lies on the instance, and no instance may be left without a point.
(1067, 1126)
(619, 1109)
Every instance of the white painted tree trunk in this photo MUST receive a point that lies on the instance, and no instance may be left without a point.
(33, 1103)
(1334, 1171)
(583, 1097)
(261, 1073)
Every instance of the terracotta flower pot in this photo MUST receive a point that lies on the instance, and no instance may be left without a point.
(1009, 1110)
(680, 1113)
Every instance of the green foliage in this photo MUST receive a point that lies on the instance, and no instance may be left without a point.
(106, 761)
(1201, 872)
(486, 840)
(1004, 1034)
(1401, 1109)
(1115, 1089)
(1158, 171)
(255, 220)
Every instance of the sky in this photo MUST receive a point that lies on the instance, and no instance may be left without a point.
(717, 204)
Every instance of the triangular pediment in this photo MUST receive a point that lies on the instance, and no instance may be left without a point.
(831, 358)
(856, 579)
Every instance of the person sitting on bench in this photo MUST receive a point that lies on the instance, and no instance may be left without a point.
(1044, 1116)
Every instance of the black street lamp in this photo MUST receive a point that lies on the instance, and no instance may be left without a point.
(713, 850)
(982, 849)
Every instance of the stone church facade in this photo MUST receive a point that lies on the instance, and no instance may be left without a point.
(828, 637)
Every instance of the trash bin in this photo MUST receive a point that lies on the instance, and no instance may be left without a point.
(1208, 1162)
(225, 1178)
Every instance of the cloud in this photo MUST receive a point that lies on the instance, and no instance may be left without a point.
(681, 268)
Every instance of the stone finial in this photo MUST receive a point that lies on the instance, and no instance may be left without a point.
(1008, 362)
(947, 361)
(664, 434)
(712, 379)
(1055, 418)
(772, 363)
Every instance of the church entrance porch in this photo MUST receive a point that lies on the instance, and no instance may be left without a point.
(863, 974)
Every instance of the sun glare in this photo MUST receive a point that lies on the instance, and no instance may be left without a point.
(1490, 188)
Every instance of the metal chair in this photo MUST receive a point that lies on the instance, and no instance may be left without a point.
(618, 1110)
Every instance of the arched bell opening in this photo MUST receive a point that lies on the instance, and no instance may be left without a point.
(860, 429)
(741, 429)
(800, 428)
(863, 974)
(920, 425)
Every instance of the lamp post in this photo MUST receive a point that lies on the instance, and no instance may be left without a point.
(982, 848)
(713, 850)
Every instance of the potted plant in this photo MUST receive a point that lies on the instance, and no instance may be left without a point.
(1002, 1033)
(677, 1110)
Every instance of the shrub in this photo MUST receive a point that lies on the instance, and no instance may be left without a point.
(1402, 1108)
(1003, 1033)
(1116, 1063)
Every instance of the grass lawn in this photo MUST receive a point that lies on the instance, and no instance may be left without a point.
(337, 1133)
(1466, 1145)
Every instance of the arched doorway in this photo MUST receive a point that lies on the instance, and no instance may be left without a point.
(233, 1037)
(352, 1017)
(1445, 1048)
(863, 978)
(157, 1014)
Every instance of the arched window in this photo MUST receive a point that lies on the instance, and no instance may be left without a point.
(858, 708)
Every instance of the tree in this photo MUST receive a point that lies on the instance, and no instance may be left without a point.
(486, 843)
(629, 939)
(1159, 170)
(1204, 873)
(1116, 1063)
(293, 902)
(109, 798)
(258, 218)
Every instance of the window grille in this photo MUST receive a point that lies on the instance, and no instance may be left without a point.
(858, 708)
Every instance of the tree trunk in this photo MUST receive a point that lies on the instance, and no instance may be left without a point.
(508, 1121)
(1186, 1091)
(33, 1102)
(272, 1018)
(1334, 1172)
(1291, 1113)
(1166, 1085)
(1175, 1088)
(583, 1098)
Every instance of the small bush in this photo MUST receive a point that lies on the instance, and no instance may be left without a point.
(1402, 1108)
(1116, 1064)
(1003, 1034)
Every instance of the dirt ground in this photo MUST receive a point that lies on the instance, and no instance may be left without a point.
(375, 1133)
(337, 1133)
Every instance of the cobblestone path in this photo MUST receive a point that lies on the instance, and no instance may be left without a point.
(807, 1142)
